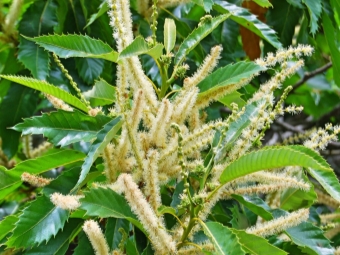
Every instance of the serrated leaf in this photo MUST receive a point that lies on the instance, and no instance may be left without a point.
(106, 203)
(63, 128)
(331, 41)
(38, 165)
(228, 75)
(47, 88)
(40, 221)
(273, 157)
(20, 102)
(256, 245)
(311, 238)
(284, 25)
(293, 199)
(256, 205)
(103, 8)
(235, 130)
(89, 69)
(224, 240)
(101, 94)
(66, 46)
(263, 3)
(84, 246)
(139, 47)
(169, 35)
(7, 225)
(40, 17)
(58, 245)
(104, 136)
(197, 35)
(314, 8)
(248, 20)
(328, 181)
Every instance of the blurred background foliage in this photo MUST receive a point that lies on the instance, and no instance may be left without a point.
(316, 87)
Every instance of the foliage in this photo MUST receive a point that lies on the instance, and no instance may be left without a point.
(159, 127)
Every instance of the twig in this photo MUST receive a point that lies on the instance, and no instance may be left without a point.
(309, 75)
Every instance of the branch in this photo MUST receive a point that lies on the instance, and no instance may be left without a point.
(309, 75)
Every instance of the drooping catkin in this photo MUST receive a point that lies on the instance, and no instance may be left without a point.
(96, 237)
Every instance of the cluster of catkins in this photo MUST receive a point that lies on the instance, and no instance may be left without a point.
(162, 140)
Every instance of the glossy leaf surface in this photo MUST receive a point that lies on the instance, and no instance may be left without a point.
(101, 94)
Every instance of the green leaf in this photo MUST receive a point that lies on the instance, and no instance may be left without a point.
(104, 136)
(223, 239)
(39, 221)
(66, 46)
(245, 18)
(234, 97)
(256, 245)
(328, 180)
(169, 35)
(206, 4)
(112, 233)
(84, 246)
(235, 130)
(101, 94)
(103, 8)
(58, 245)
(20, 102)
(263, 3)
(166, 209)
(47, 88)
(311, 238)
(63, 128)
(293, 199)
(228, 75)
(256, 205)
(106, 203)
(314, 8)
(139, 47)
(7, 225)
(331, 40)
(284, 25)
(89, 69)
(197, 35)
(40, 17)
(273, 157)
(38, 165)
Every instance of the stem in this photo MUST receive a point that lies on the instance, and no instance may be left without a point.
(164, 75)
(188, 228)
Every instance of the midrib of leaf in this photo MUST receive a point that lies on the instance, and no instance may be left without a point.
(212, 237)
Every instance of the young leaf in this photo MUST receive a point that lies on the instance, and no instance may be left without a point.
(310, 238)
(328, 180)
(59, 244)
(106, 203)
(103, 8)
(169, 35)
(38, 165)
(40, 221)
(40, 17)
(273, 157)
(197, 35)
(263, 3)
(47, 88)
(101, 94)
(224, 240)
(248, 20)
(63, 128)
(66, 46)
(256, 245)
(139, 47)
(331, 40)
(314, 8)
(228, 75)
(235, 130)
(104, 136)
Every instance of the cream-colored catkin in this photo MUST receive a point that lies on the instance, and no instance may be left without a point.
(169, 3)
(325, 218)
(161, 240)
(157, 134)
(150, 177)
(137, 109)
(41, 149)
(58, 103)
(35, 180)
(96, 237)
(208, 65)
(66, 202)
(337, 251)
(326, 199)
(279, 224)
(332, 232)
(27, 146)
(110, 169)
(184, 105)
